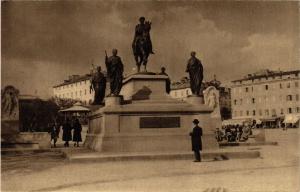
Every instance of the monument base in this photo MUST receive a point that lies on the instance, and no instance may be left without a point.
(149, 120)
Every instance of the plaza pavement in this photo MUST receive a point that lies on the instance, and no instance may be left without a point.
(276, 170)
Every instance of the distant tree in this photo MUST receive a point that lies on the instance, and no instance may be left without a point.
(36, 114)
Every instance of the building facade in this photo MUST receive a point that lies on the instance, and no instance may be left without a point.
(266, 95)
(76, 87)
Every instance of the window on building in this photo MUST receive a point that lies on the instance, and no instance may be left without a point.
(260, 112)
(298, 109)
(235, 101)
(247, 112)
(296, 84)
(288, 85)
(267, 112)
(85, 92)
(253, 100)
(252, 88)
(297, 97)
(246, 89)
(253, 112)
(266, 87)
(289, 97)
(289, 110)
(241, 101)
(273, 112)
(281, 111)
(280, 85)
(235, 113)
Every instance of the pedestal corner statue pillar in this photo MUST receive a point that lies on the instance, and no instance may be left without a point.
(211, 99)
(195, 99)
(113, 100)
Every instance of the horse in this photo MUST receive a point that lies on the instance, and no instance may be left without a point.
(141, 48)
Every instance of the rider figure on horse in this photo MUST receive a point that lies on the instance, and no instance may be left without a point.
(142, 45)
(142, 32)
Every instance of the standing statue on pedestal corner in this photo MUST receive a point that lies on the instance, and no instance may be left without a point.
(98, 84)
(142, 44)
(115, 70)
(195, 70)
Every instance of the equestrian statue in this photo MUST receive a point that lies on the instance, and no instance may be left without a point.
(142, 45)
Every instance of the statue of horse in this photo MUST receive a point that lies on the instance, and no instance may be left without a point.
(141, 48)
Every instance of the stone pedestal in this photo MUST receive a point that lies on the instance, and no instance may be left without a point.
(148, 120)
(195, 100)
(113, 100)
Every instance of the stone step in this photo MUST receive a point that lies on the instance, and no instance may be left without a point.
(108, 157)
(20, 145)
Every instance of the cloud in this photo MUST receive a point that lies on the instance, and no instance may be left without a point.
(61, 38)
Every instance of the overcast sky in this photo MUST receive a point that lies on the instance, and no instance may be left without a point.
(44, 42)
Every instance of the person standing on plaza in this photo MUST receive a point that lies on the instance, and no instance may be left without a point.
(67, 134)
(196, 140)
(77, 133)
(54, 131)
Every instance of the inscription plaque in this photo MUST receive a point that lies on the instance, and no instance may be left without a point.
(159, 122)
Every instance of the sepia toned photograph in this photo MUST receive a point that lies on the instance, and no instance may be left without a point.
(150, 96)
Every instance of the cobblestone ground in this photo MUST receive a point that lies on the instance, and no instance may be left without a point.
(277, 170)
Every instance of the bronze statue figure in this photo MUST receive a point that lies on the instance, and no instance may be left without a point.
(195, 70)
(168, 81)
(142, 45)
(98, 84)
(115, 70)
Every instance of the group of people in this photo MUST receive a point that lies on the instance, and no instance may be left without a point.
(233, 133)
(67, 128)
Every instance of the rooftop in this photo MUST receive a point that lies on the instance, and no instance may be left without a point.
(266, 73)
(76, 78)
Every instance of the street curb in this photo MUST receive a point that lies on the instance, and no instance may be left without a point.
(98, 157)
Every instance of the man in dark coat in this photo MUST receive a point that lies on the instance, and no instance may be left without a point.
(196, 140)
(67, 135)
(77, 133)
(115, 70)
(195, 70)
(54, 131)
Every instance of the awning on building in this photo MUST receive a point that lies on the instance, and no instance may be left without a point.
(292, 118)
(268, 119)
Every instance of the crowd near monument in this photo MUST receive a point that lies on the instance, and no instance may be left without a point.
(139, 115)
